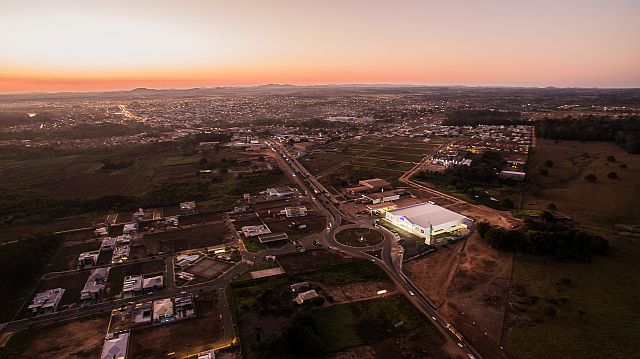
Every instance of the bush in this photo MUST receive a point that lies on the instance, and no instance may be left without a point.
(591, 178)
(543, 172)
(318, 301)
(612, 175)
(611, 159)
(548, 163)
(623, 166)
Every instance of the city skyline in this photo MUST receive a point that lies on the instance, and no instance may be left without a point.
(74, 46)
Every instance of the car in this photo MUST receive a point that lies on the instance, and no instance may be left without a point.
(411, 293)
(470, 356)
(460, 345)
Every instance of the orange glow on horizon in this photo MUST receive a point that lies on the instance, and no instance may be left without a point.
(79, 46)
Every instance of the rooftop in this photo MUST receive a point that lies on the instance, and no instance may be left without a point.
(426, 214)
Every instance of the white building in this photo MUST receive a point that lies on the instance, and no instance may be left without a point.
(302, 297)
(95, 285)
(281, 192)
(88, 259)
(115, 346)
(46, 302)
(426, 220)
(188, 207)
(292, 212)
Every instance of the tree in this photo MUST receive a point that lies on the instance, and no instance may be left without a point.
(612, 175)
(482, 228)
(552, 206)
(591, 178)
(623, 166)
(543, 172)
(611, 159)
(548, 163)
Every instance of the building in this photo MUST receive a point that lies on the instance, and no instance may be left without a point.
(257, 230)
(370, 185)
(120, 254)
(381, 197)
(130, 228)
(46, 302)
(163, 311)
(95, 285)
(427, 220)
(132, 286)
(513, 175)
(304, 296)
(272, 237)
(292, 212)
(187, 207)
(115, 346)
(108, 244)
(303, 146)
(171, 222)
(184, 307)
(281, 192)
(296, 287)
(88, 259)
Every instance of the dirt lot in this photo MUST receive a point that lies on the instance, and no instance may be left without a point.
(189, 335)
(86, 334)
(359, 291)
(480, 290)
(433, 273)
(208, 268)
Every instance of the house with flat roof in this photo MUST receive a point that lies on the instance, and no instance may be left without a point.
(95, 285)
(187, 207)
(304, 296)
(115, 346)
(370, 185)
(292, 212)
(88, 259)
(120, 254)
(381, 197)
(46, 302)
(427, 220)
(281, 192)
(130, 228)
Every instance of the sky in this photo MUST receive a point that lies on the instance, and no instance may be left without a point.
(80, 45)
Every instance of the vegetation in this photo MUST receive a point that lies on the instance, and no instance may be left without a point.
(548, 239)
(21, 263)
(483, 117)
(625, 132)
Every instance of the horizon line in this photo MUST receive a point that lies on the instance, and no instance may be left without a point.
(26, 93)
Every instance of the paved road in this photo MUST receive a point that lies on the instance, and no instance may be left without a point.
(388, 264)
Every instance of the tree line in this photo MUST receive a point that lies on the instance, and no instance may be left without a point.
(545, 238)
(623, 131)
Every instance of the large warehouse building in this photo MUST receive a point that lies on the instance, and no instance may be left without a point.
(427, 220)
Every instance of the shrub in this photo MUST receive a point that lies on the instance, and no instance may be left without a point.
(612, 175)
(591, 178)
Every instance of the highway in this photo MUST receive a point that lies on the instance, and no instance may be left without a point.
(327, 238)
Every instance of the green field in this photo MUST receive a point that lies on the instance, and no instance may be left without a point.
(359, 237)
(593, 314)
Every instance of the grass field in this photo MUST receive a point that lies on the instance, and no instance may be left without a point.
(595, 313)
(359, 237)
(602, 203)
(185, 238)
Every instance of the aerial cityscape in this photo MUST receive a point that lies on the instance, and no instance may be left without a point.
(319, 180)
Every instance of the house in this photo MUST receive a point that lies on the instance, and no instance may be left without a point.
(252, 231)
(187, 207)
(296, 287)
(46, 302)
(108, 244)
(152, 283)
(120, 254)
(138, 215)
(132, 286)
(130, 228)
(95, 285)
(88, 259)
(101, 232)
(184, 261)
(163, 311)
(304, 296)
(171, 222)
(291, 212)
(115, 346)
(303, 146)
(281, 192)
(184, 307)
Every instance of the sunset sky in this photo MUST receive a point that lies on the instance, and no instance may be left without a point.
(73, 45)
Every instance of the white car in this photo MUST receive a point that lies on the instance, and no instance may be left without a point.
(411, 293)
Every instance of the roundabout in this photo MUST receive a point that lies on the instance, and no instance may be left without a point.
(359, 237)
